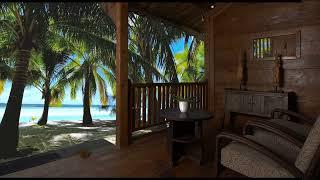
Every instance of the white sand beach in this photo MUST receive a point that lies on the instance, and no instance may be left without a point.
(61, 134)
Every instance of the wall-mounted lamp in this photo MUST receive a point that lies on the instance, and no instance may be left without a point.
(212, 6)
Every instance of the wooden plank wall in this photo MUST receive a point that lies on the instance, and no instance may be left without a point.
(230, 32)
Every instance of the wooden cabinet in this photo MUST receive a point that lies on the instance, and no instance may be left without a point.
(258, 103)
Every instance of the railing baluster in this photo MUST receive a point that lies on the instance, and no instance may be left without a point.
(206, 96)
(170, 97)
(159, 103)
(150, 101)
(202, 97)
(188, 91)
(138, 108)
(197, 95)
(183, 91)
(154, 105)
(194, 95)
(167, 96)
(191, 95)
(176, 90)
(131, 114)
(144, 107)
(163, 97)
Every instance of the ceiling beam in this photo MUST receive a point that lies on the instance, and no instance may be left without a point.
(145, 12)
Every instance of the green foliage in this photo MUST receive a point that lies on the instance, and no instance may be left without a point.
(73, 38)
(187, 99)
(190, 62)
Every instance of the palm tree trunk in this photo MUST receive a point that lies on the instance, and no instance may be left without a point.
(44, 118)
(87, 118)
(9, 127)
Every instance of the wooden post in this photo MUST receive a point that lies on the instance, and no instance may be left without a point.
(131, 111)
(121, 21)
(119, 14)
(210, 127)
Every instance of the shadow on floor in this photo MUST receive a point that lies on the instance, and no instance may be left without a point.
(83, 149)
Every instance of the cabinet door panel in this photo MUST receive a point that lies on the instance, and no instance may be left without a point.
(246, 103)
(256, 104)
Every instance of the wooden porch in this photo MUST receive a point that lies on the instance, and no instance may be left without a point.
(146, 157)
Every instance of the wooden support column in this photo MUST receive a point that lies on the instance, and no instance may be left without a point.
(119, 14)
(121, 21)
(211, 126)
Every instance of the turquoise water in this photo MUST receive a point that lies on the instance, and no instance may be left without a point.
(32, 112)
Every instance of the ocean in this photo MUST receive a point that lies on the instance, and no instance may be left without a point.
(32, 112)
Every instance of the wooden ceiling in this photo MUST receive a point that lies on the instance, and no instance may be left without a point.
(188, 16)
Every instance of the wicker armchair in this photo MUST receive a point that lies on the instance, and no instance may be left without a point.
(297, 124)
(269, 152)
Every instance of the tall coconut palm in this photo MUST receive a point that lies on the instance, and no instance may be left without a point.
(24, 20)
(27, 21)
(90, 35)
(49, 77)
(90, 74)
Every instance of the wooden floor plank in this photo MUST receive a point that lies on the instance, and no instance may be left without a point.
(146, 157)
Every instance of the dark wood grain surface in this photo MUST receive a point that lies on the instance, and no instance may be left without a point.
(174, 114)
(231, 32)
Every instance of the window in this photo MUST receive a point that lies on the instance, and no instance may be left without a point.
(262, 48)
(267, 46)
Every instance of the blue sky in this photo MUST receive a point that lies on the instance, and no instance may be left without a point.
(33, 95)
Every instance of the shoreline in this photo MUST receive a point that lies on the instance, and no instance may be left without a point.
(96, 122)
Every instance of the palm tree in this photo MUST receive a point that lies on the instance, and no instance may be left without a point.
(48, 74)
(90, 36)
(23, 20)
(90, 73)
(190, 62)
(27, 21)
(151, 39)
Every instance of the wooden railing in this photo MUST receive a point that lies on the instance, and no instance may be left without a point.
(147, 99)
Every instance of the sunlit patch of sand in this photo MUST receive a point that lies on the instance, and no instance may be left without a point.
(85, 127)
(111, 138)
(105, 129)
(70, 136)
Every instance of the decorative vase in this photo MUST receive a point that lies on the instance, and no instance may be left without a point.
(242, 70)
(183, 106)
(277, 74)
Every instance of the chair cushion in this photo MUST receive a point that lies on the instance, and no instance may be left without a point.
(250, 162)
(309, 147)
(277, 144)
(300, 129)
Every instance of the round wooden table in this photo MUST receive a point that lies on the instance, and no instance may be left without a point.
(182, 132)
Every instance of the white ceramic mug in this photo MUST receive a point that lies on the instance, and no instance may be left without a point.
(183, 106)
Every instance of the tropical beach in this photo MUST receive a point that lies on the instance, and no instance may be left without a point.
(34, 139)
(58, 78)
